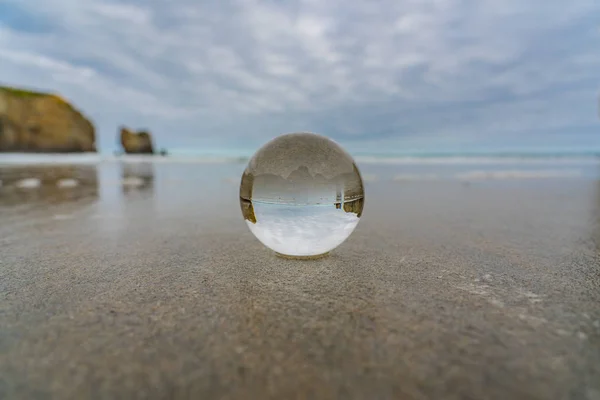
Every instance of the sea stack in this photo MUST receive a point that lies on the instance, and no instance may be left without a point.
(136, 142)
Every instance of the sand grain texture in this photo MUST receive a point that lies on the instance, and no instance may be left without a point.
(486, 291)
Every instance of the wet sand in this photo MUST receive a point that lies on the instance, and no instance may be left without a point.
(146, 283)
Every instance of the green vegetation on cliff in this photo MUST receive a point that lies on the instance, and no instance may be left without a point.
(22, 92)
(32, 94)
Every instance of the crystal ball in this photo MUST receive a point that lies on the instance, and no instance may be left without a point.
(301, 195)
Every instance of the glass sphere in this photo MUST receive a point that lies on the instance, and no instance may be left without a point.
(301, 195)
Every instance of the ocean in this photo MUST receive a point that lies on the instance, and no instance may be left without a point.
(386, 167)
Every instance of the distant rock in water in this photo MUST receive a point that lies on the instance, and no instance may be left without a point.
(136, 142)
(42, 122)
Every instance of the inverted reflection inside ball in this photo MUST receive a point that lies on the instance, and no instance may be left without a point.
(301, 195)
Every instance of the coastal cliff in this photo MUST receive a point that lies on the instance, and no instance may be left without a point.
(136, 142)
(42, 122)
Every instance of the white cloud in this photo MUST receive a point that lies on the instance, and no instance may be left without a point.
(249, 69)
(57, 67)
(123, 13)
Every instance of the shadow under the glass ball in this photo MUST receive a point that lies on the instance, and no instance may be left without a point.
(303, 258)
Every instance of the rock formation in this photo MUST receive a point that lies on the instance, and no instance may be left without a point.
(42, 122)
(355, 206)
(246, 195)
(248, 210)
(136, 142)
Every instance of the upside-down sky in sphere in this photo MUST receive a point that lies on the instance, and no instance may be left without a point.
(375, 75)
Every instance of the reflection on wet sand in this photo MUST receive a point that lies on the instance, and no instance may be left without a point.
(47, 184)
(137, 177)
(596, 218)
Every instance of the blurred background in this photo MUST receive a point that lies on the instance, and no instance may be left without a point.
(415, 90)
(410, 77)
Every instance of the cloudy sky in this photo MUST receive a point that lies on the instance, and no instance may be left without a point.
(376, 75)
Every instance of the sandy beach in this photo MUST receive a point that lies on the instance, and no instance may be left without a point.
(143, 281)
